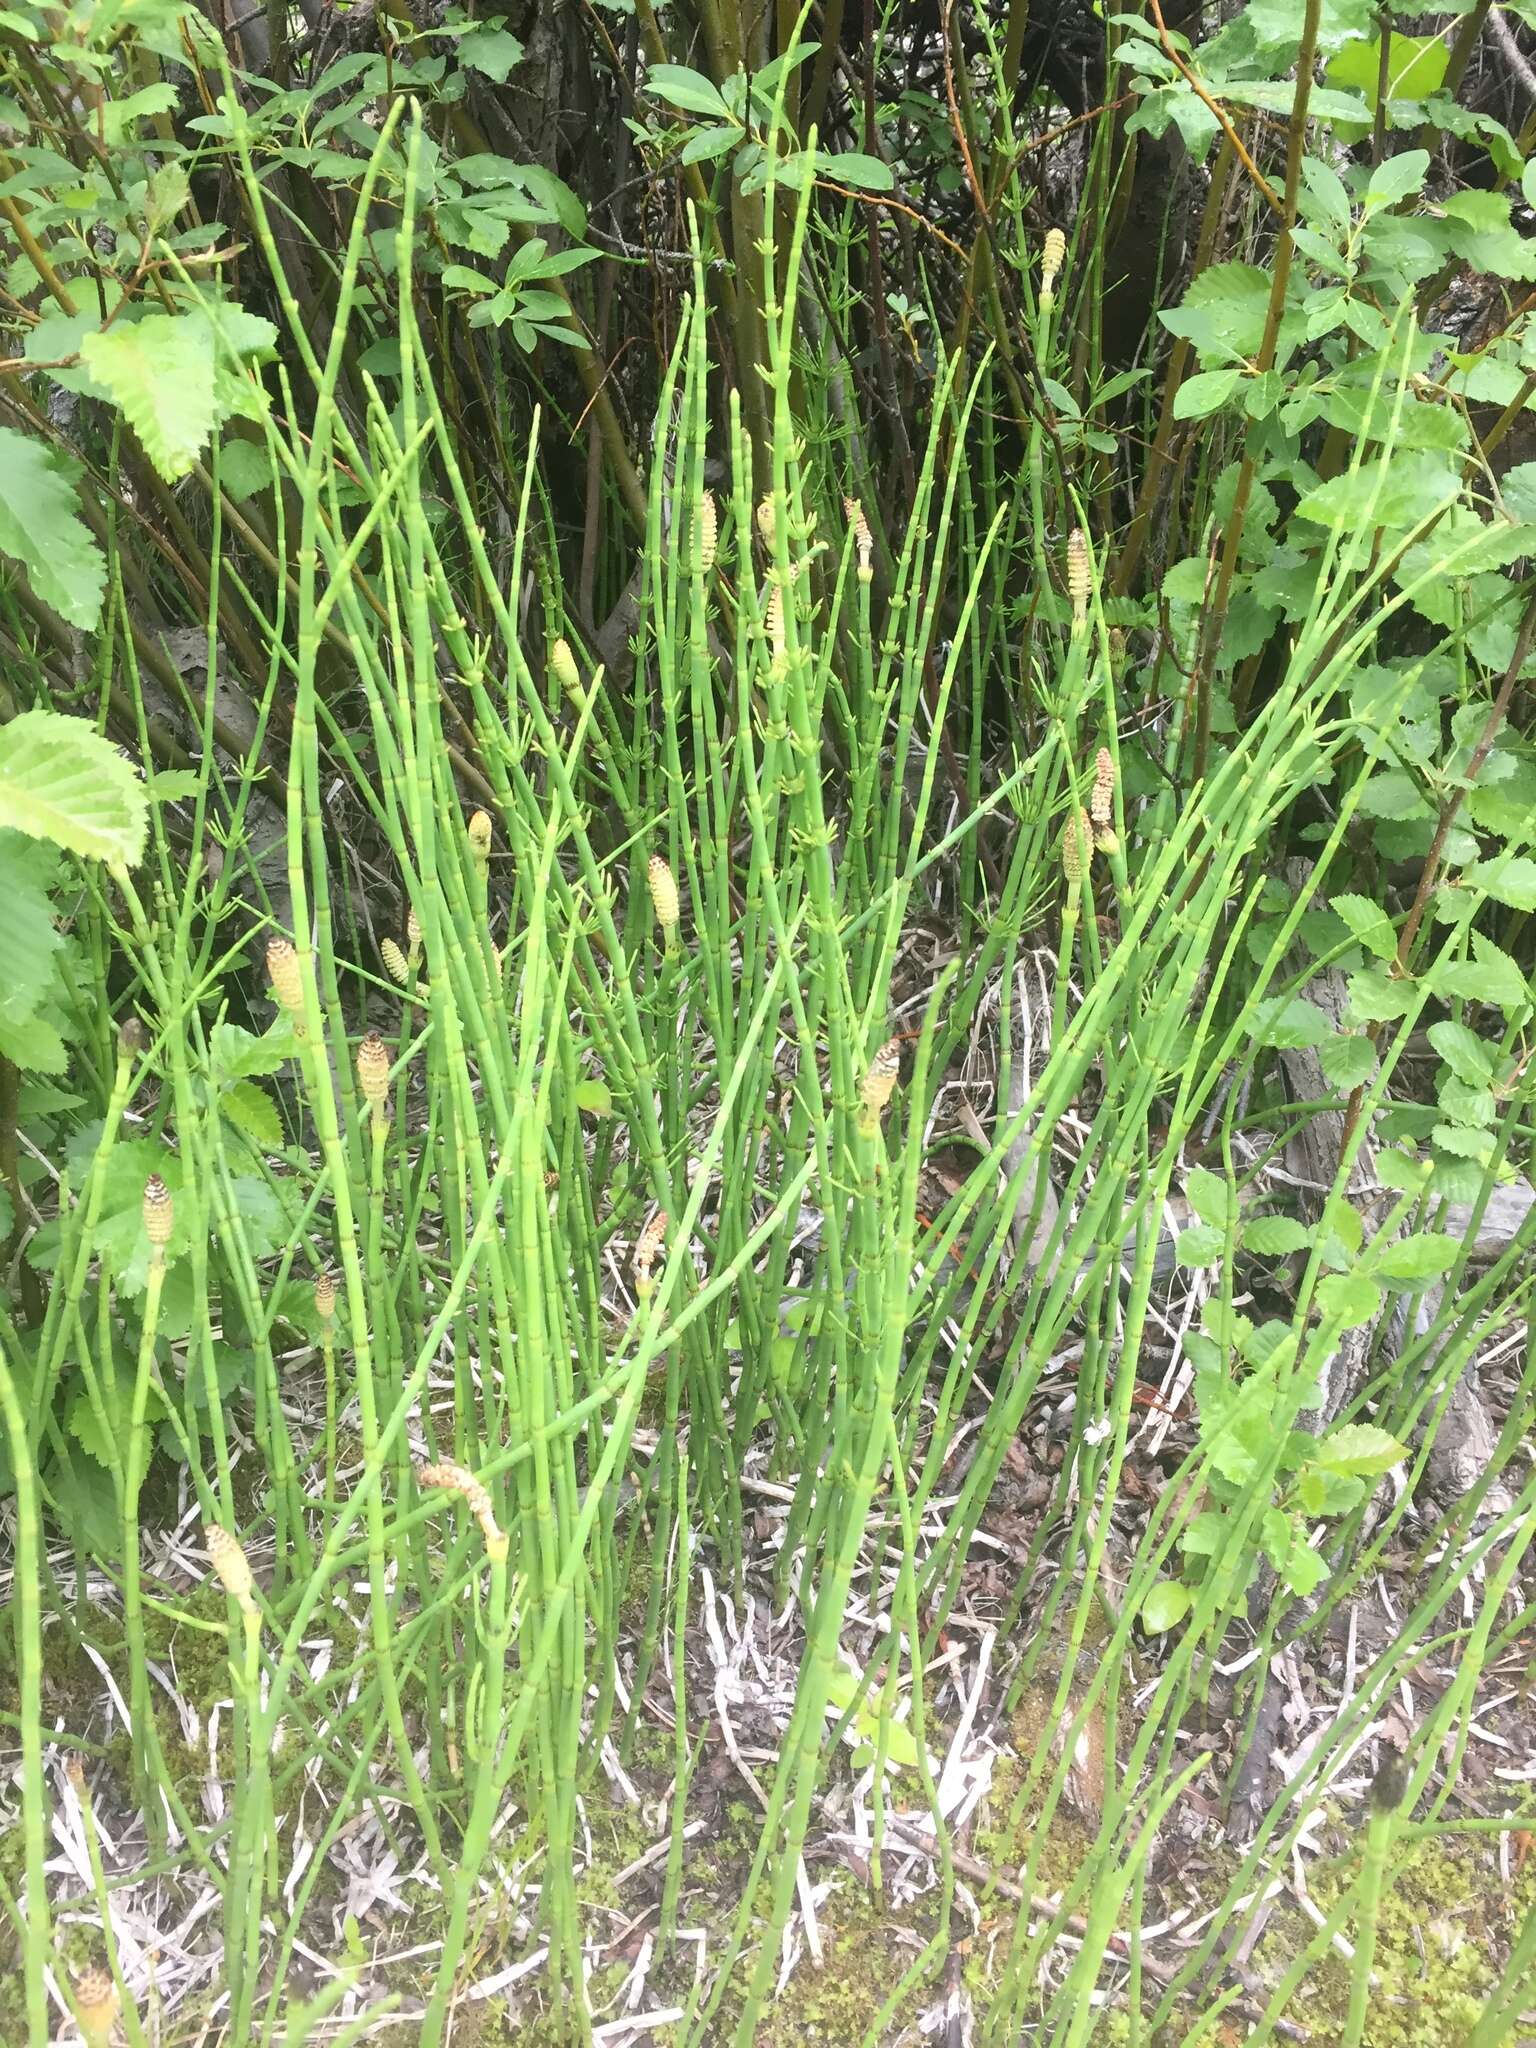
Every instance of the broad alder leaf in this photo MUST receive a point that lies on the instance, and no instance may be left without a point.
(1348, 1061)
(1223, 313)
(252, 1110)
(160, 371)
(1166, 1606)
(28, 939)
(60, 780)
(1424, 1257)
(1468, 1058)
(1508, 878)
(41, 527)
(1271, 1237)
(1360, 1449)
(1369, 923)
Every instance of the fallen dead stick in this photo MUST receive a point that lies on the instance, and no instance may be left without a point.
(1073, 1925)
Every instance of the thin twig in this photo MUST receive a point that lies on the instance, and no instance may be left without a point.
(1228, 130)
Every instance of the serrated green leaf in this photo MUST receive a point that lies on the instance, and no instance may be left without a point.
(102, 1442)
(237, 1054)
(1271, 1237)
(594, 1097)
(244, 469)
(32, 1044)
(252, 1110)
(232, 1370)
(94, 1519)
(1401, 1170)
(1491, 976)
(1483, 234)
(60, 780)
(264, 1221)
(1223, 312)
(1508, 878)
(1461, 1103)
(1205, 393)
(1326, 1491)
(1396, 496)
(1360, 1449)
(1200, 1245)
(166, 193)
(1377, 998)
(120, 1242)
(491, 51)
(41, 528)
(1348, 1061)
(29, 942)
(1423, 1257)
(1393, 794)
(1468, 1058)
(1303, 1571)
(160, 372)
(1289, 1022)
(1275, 1535)
(1206, 1535)
(1166, 1606)
(1349, 1299)
(1343, 1220)
(1369, 923)
(1463, 1142)
(1210, 1196)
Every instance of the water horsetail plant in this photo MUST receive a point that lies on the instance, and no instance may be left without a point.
(1101, 808)
(232, 1569)
(460, 1480)
(158, 1222)
(665, 900)
(479, 833)
(863, 540)
(325, 1311)
(287, 979)
(97, 2004)
(707, 531)
(1053, 255)
(1383, 1819)
(878, 1085)
(562, 663)
(857, 775)
(1079, 577)
(647, 1249)
(373, 1076)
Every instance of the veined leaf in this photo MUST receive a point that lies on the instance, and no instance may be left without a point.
(28, 940)
(1369, 923)
(1273, 1237)
(1424, 1257)
(1166, 1606)
(41, 527)
(1468, 1058)
(690, 90)
(60, 780)
(1359, 1448)
(252, 1110)
(160, 372)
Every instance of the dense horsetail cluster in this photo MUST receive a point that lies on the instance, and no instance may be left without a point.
(766, 813)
